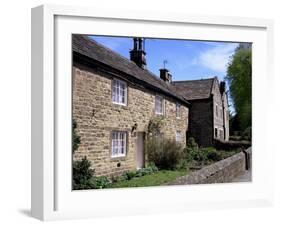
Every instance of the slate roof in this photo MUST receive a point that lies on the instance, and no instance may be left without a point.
(195, 89)
(82, 44)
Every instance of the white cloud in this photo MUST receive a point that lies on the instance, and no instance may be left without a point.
(217, 57)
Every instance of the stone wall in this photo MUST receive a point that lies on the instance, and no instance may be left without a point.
(97, 117)
(221, 113)
(220, 172)
(201, 126)
(230, 145)
(207, 116)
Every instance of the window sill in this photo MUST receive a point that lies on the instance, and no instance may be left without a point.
(118, 158)
(120, 104)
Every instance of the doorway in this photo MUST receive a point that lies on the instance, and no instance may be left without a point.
(140, 149)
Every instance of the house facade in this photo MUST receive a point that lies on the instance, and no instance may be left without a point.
(114, 99)
(209, 113)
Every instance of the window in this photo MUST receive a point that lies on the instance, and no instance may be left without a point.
(118, 144)
(221, 134)
(159, 105)
(216, 132)
(178, 136)
(178, 109)
(119, 92)
(217, 113)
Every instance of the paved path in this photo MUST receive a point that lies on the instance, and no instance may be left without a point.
(244, 177)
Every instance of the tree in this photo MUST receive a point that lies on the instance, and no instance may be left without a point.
(239, 76)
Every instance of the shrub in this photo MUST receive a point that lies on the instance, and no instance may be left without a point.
(247, 134)
(128, 175)
(212, 154)
(183, 164)
(100, 182)
(165, 154)
(155, 125)
(146, 171)
(75, 138)
(82, 174)
(196, 155)
(191, 143)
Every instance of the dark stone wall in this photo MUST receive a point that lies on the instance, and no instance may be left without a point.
(201, 122)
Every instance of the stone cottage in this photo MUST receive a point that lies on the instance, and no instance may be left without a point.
(114, 99)
(208, 113)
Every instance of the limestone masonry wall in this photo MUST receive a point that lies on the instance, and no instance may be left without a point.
(220, 172)
(97, 117)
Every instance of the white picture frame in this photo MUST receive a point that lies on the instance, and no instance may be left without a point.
(52, 197)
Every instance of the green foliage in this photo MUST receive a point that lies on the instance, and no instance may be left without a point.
(75, 138)
(195, 156)
(128, 175)
(147, 170)
(191, 143)
(155, 125)
(212, 154)
(82, 174)
(165, 154)
(158, 178)
(100, 182)
(247, 134)
(239, 76)
(150, 169)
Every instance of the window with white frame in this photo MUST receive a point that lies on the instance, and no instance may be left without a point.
(119, 92)
(118, 143)
(178, 136)
(178, 110)
(159, 105)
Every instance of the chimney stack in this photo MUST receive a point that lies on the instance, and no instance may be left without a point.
(138, 54)
(222, 87)
(165, 75)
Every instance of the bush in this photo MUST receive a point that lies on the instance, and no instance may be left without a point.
(128, 175)
(191, 143)
(183, 164)
(75, 138)
(146, 171)
(165, 154)
(82, 174)
(212, 154)
(195, 155)
(247, 134)
(100, 182)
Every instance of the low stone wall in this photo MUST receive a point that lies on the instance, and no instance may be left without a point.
(220, 172)
(230, 145)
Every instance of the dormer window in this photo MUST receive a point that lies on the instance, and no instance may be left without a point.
(119, 92)
(159, 105)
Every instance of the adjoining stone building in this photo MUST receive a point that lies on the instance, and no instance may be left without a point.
(114, 100)
(209, 113)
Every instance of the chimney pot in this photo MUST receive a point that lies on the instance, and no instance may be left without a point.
(137, 55)
(165, 75)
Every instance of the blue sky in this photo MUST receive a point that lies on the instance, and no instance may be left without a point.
(187, 59)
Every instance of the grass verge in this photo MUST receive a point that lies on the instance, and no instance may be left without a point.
(155, 179)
